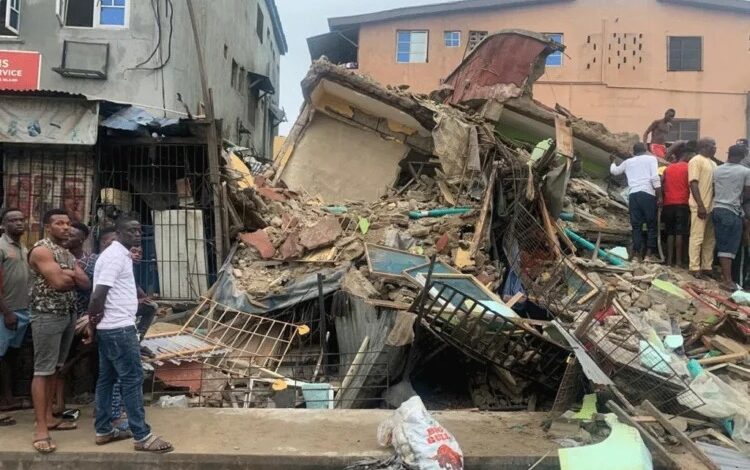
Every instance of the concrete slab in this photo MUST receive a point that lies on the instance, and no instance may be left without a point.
(210, 438)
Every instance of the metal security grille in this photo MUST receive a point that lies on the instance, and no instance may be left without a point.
(166, 187)
(475, 329)
(39, 178)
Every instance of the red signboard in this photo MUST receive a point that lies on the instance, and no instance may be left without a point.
(19, 70)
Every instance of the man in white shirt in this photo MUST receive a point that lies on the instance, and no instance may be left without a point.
(112, 308)
(645, 195)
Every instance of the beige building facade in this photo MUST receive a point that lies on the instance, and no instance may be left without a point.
(625, 63)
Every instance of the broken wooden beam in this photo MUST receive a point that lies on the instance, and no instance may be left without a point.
(672, 429)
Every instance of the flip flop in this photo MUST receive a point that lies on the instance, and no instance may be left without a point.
(154, 444)
(7, 420)
(48, 449)
(114, 436)
(63, 426)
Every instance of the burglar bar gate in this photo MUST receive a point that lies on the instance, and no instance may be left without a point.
(166, 186)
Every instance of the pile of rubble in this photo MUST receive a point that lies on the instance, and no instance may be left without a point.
(461, 241)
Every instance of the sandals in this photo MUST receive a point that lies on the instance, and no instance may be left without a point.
(6, 420)
(114, 436)
(63, 426)
(47, 448)
(70, 414)
(154, 444)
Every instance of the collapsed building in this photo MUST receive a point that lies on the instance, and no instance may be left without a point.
(455, 246)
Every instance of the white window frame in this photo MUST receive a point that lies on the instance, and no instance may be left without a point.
(98, 12)
(17, 9)
(561, 55)
(61, 9)
(426, 45)
(451, 32)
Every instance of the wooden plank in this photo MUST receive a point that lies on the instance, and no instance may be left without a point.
(387, 304)
(741, 371)
(486, 208)
(564, 237)
(716, 435)
(514, 300)
(548, 229)
(446, 192)
(735, 357)
(651, 441)
(672, 429)
(727, 345)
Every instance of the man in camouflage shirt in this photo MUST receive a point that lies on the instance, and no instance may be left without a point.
(55, 278)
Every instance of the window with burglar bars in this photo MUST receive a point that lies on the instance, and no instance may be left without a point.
(37, 179)
(685, 53)
(684, 129)
(165, 186)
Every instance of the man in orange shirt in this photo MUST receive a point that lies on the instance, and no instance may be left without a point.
(676, 211)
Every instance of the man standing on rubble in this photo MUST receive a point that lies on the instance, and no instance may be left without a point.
(659, 130)
(701, 176)
(113, 307)
(731, 188)
(644, 196)
(676, 212)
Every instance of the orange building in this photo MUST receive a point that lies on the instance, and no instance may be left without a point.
(625, 63)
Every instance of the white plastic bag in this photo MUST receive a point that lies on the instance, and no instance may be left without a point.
(419, 440)
(166, 401)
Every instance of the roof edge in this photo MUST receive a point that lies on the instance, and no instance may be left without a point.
(278, 29)
(431, 9)
(737, 6)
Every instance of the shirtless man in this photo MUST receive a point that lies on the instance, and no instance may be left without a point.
(659, 130)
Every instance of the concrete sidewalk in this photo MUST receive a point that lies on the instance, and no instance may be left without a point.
(211, 438)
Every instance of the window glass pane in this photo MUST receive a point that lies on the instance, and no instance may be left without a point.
(419, 37)
(112, 16)
(106, 2)
(419, 57)
(418, 48)
(554, 60)
(403, 36)
(120, 3)
(402, 57)
(403, 47)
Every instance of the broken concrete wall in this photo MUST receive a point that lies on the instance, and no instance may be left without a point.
(338, 161)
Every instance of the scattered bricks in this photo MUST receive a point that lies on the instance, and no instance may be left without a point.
(291, 248)
(442, 243)
(260, 241)
(322, 234)
(288, 222)
(272, 194)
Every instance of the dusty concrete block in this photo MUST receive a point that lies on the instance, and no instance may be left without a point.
(322, 234)
(291, 247)
(260, 241)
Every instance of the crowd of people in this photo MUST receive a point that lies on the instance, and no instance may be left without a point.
(72, 299)
(703, 202)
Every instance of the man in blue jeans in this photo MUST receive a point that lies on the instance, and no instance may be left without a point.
(731, 189)
(14, 296)
(113, 307)
(644, 187)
